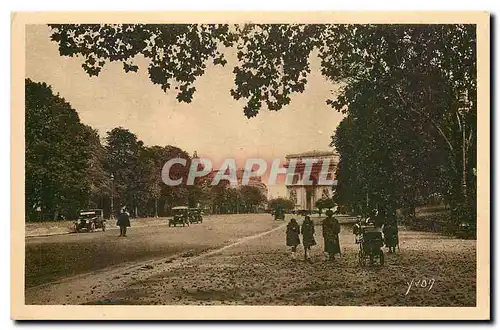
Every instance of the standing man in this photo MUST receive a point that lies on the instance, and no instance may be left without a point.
(331, 230)
(123, 222)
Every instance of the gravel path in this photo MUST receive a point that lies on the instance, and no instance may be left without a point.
(257, 270)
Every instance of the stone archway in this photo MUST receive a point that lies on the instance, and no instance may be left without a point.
(311, 197)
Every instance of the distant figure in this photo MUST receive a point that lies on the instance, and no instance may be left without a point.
(331, 230)
(391, 235)
(357, 229)
(308, 236)
(373, 221)
(380, 218)
(292, 236)
(123, 222)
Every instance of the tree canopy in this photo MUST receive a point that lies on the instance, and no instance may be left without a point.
(58, 149)
(273, 59)
(69, 169)
(324, 203)
(281, 203)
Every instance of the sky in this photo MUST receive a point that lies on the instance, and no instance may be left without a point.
(213, 124)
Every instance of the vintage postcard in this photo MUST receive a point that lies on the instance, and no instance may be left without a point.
(323, 165)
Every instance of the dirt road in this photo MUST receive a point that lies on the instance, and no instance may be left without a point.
(242, 260)
(55, 257)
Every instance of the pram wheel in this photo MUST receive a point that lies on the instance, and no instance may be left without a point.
(361, 259)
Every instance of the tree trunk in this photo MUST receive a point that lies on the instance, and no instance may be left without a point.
(156, 207)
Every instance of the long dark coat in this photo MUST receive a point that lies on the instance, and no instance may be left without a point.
(308, 233)
(292, 234)
(123, 220)
(391, 235)
(331, 230)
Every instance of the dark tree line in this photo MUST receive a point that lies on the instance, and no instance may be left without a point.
(410, 129)
(408, 92)
(281, 203)
(68, 168)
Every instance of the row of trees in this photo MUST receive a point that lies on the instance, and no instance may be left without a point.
(68, 168)
(408, 93)
(281, 203)
(324, 203)
(241, 199)
(288, 204)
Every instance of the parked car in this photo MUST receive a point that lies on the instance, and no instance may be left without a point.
(279, 214)
(181, 216)
(466, 230)
(89, 220)
(195, 215)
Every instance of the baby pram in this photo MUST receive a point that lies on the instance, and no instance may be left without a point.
(370, 243)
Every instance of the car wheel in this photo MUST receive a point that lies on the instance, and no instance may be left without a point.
(92, 227)
(103, 227)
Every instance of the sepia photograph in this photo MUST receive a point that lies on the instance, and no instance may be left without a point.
(324, 165)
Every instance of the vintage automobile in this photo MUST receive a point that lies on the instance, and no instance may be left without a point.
(279, 214)
(180, 216)
(466, 230)
(89, 220)
(195, 215)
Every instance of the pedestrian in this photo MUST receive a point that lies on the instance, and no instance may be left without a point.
(357, 229)
(123, 222)
(380, 218)
(371, 217)
(390, 230)
(331, 230)
(292, 237)
(307, 237)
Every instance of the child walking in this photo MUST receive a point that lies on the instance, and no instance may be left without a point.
(308, 237)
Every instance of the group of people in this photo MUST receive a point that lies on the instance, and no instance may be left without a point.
(331, 230)
(380, 220)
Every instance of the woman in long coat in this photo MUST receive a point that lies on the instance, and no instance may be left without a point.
(308, 236)
(331, 230)
(292, 236)
(390, 230)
